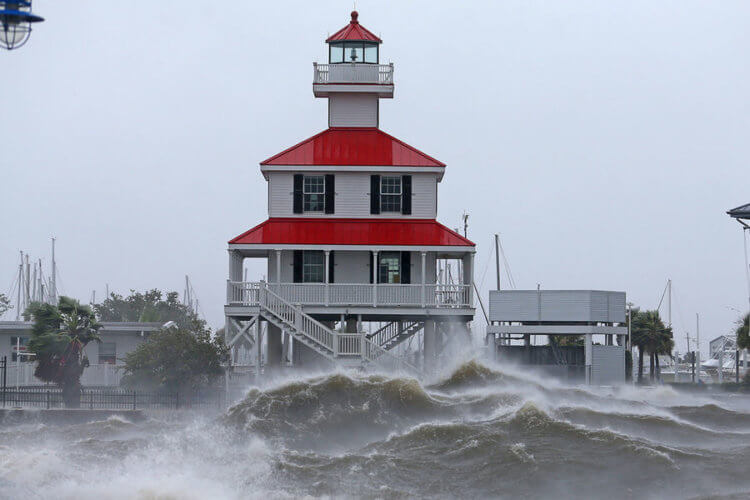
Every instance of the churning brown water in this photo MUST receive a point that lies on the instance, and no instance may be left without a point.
(479, 432)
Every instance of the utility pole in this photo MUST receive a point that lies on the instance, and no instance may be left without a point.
(497, 259)
(698, 343)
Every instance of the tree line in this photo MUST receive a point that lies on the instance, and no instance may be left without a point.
(183, 356)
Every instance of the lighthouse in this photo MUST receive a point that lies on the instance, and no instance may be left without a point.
(358, 265)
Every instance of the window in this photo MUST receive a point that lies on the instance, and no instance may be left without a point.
(390, 194)
(22, 342)
(313, 267)
(313, 191)
(337, 54)
(354, 52)
(389, 269)
(371, 53)
(107, 353)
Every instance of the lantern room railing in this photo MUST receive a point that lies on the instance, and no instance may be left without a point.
(377, 74)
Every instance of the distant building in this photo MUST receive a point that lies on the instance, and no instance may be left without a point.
(117, 339)
(519, 316)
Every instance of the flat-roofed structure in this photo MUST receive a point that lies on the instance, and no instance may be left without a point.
(598, 317)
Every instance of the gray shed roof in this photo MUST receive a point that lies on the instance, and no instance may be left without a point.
(741, 212)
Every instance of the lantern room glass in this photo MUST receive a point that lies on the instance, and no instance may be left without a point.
(353, 52)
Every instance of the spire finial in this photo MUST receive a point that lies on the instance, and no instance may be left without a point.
(355, 15)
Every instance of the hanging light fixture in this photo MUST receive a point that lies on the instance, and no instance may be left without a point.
(15, 23)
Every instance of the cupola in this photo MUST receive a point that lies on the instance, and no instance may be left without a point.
(353, 44)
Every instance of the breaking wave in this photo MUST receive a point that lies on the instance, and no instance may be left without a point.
(479, 431)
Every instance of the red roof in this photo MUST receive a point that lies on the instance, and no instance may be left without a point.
(308, 231)
(354, 31)
(353, 146)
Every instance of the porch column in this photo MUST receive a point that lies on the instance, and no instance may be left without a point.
(278, 267)
(588, 351)
(467, 263)
(424, 271)
(235, 275)
(375, 278)
(327, 273)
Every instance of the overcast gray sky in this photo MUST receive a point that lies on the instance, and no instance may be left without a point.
(603, 140)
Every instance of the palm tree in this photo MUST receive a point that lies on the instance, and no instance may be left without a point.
(743, 332)
(58, 338)
(651, 336)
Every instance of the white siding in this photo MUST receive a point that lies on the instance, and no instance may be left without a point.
(353, 196)
(352, 267)
(353, 110)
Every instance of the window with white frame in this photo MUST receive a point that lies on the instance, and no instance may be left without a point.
(313, 191)
(390, 194)
(313, 267)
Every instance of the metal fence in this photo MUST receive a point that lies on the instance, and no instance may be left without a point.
(109, 398)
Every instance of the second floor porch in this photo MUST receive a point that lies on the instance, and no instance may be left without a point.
(360, 295)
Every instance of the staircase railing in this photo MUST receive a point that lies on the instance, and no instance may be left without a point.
(390, 331)
(294, 317)
(327, 340)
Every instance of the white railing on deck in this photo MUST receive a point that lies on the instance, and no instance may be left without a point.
(379, 74)
(342, 294)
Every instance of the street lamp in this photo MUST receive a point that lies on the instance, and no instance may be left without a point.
(15, 23)
(742, 215)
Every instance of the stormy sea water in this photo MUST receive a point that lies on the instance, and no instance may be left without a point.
(479, 431)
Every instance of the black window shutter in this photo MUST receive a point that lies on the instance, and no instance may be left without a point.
(405, 268)
(299, 180)
(372, 273)
(406, 194)
(330, 266)
(374, 194)
(297, 273)
(330, 193)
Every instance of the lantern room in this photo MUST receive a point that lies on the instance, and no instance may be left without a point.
(353, 44)
(353, 65)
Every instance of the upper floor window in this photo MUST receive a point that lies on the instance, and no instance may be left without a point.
(390, 194)
(314, 193)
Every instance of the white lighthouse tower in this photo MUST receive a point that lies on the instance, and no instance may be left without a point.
(352, 241)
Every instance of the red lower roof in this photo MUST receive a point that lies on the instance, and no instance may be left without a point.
(395, 232)
(353, 147)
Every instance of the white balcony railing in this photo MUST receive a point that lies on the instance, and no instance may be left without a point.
(377, 74)
(342, 294)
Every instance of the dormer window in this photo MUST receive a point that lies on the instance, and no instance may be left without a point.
(353, 52)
